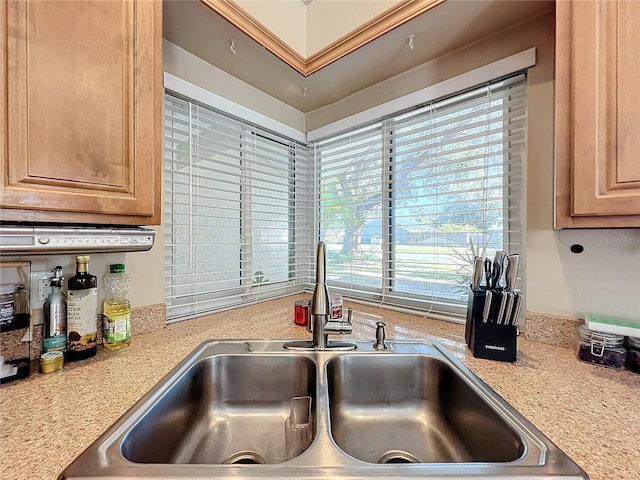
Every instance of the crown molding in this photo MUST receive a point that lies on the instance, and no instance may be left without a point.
(376, 27)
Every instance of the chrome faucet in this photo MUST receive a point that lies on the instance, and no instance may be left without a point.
(321, 325)
(320, 307)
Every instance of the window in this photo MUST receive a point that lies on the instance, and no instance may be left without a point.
(406, 203)
(403, 203)
(238, 206)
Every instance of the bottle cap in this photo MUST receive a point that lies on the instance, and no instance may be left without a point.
(82, 259)
(57, 279)
(116, 268)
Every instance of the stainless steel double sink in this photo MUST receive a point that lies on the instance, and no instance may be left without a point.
(411, 411)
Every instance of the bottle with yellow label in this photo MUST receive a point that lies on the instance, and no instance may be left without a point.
(82, 308)
(116, 311)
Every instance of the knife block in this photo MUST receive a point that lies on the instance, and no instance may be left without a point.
(488, 340)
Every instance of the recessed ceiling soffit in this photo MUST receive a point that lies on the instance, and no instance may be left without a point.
(395, 16)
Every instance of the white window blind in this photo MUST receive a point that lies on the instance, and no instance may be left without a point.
(408, 201)
(238, 211)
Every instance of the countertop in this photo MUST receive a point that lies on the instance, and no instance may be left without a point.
(590, 412)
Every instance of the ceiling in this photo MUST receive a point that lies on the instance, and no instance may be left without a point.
(448, 26)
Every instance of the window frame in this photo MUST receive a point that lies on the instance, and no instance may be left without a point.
(388, 294)
(251, 165)
(307, 226)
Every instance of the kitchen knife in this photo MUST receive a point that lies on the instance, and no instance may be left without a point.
(478, 265)
(498, 266)
(508, 309)
(487, 306)
(503, 302)
(499, 257)
(488, 266)
(511, 273)
(517, 305)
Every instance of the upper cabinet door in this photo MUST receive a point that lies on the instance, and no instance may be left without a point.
(81, 86)
(597, 114)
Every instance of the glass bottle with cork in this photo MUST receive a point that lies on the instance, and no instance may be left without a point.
(82, 308)
(116, 316)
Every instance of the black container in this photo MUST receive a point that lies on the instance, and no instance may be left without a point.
(604, 349)
(17, 302)
(488, 340)
(19, 321)
(633, 354)
(23, 370)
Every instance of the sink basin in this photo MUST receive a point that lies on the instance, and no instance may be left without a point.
(413, 409)
(205, 416)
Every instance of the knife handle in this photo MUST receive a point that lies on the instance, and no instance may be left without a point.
(499, 257)
(478, 265)
(508, 309)
(487, 306)
(503, 303)
(511, 274)
(517, 306)
(498, 267)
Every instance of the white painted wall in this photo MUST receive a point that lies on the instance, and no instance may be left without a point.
(187, 66)
(287, 19)
(305, 29)
(345, 15)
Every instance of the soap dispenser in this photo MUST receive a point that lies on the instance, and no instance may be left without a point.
(55, 315)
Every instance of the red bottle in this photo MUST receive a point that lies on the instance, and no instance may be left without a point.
(301, 313)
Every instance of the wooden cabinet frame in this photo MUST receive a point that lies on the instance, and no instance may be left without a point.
(597, 149)
(88, 163)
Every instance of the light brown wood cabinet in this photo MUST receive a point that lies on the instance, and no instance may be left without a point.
(81, 96)
(597, 104)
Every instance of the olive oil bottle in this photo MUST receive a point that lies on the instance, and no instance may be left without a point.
(116, 310)
(82, 308)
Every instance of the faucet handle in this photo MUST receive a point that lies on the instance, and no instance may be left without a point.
(341, 326)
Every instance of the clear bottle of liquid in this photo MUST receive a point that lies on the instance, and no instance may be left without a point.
(82, 307)
(116, 316)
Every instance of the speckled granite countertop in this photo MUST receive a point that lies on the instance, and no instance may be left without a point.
(590, 412)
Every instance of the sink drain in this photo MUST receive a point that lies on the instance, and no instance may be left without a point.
(397, 456)
(244, 458)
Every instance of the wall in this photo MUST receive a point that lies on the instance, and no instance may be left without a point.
(287, 19)
(605, 279)
(304, 28)
(187, 66)
(346, 16)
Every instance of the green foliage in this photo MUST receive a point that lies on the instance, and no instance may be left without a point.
(259, 277)
(460, 228)
(466, 260)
